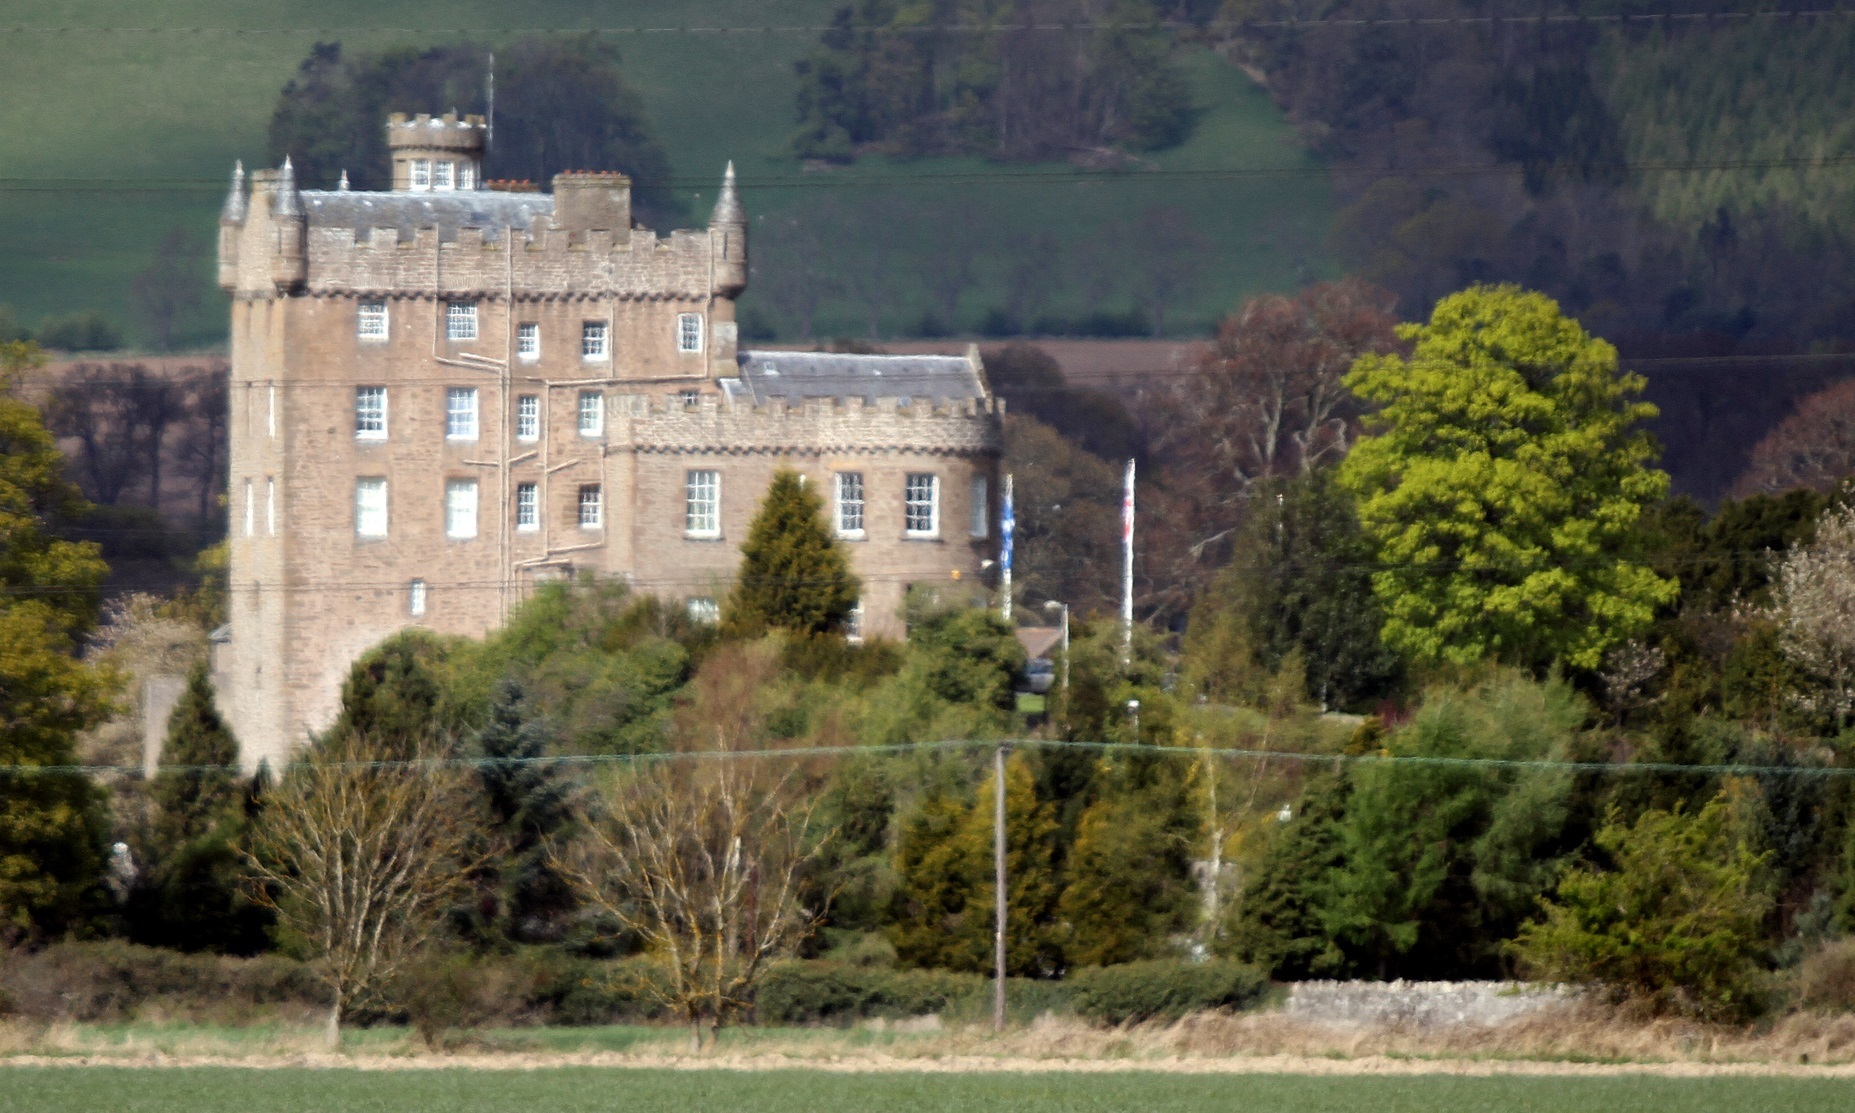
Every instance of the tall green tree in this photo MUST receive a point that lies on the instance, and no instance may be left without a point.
(1502, 484)
(51, 825)
(394, 695)
(528, 807)
(1299, 579)
(793, 575)
(193, 894)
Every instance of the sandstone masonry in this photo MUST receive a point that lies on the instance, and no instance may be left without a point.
(444, 393)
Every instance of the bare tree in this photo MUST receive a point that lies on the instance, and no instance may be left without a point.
(169, 288)
(1266, 402)
(202, 448)
(360, 856)
(1813, 602)
(94, 405)
(1814, 447)
(705, 855)
(1170, 253)
(157, 404)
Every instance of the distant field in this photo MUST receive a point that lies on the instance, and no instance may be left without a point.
(109, 138)
(584, 1090)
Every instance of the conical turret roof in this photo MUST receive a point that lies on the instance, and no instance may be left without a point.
(728, 204)
(234, 210)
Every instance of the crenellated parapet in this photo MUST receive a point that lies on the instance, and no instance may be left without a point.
(720, 423)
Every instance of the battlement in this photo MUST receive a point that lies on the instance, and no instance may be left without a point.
(663, 422)
(436, 133)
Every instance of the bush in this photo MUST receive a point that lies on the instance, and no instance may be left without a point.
(827, 993)
(1160, 990)
(115, 981)
(1827, 978)
(86, 331)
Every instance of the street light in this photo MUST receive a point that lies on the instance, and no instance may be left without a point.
(1133, 710)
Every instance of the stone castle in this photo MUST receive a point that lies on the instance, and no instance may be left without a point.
(447, 392)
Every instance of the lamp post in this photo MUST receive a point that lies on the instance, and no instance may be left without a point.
(1133, 712)
(1054, 605)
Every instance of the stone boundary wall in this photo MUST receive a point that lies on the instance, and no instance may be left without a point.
(1420, 1004)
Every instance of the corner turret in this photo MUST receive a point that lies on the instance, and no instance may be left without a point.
(728, 239)
(289, 225)
(436, 154)
(231, 220)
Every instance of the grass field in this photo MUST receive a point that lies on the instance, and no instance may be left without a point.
(573, 1090)
(119, 120)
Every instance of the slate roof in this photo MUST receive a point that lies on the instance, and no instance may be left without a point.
(491, 210)
(767, 375)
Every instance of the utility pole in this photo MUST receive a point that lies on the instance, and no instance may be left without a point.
(998, 883)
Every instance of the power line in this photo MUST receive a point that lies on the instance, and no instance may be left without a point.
(1383, 759)
(1643, 19)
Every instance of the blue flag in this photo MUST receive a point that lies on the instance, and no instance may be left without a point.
(1007, 526)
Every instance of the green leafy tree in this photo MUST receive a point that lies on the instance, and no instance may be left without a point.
(528, 807)
(1128, 882)
(194, 896)
(943, 907)
(1676, 921)
(1502, 486)
(793, 575)
(50, 821)
(394, 695)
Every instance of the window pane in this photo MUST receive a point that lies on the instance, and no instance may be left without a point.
(921, 505)
(415, 598)
(528, 417)
(527, 506)
(850, 502)
(372, 324)
(441, 175)
(593, 340)
(981, 507)
(370, 507)
(460, 321)
(460, 509)
(689, 332)
(704, 610)
(702, 513)
(370, 412)
(528, 340)
(592, 413)
(590, 517)
(466, 175)
(421, 173)
(460, 413)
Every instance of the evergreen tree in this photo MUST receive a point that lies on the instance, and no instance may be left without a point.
(943, 909)
(193, 895)
(393, 696)
(528, 807)
(793, 574)
(1128, 889)
(1277, 924)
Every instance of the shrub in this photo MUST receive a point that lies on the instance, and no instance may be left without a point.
(1827, 978)
(113, 981)
(444, 994)
(1162, 990)
(1677, 925)
(827, 993)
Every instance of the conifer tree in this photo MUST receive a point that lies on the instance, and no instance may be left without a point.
(392, 695)
(193, 895)
(793, 574)
(527, 806)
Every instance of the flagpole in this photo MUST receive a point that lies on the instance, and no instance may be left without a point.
(1127, 569)
(1007, 523)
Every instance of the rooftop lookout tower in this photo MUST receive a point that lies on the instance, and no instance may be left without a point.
(436, 154)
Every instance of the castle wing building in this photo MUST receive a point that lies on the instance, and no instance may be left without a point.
(449, 391)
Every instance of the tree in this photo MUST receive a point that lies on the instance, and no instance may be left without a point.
(528, 808)
(1674, 921)
(169, 288)
(1299, 581)
(193, 896)
(942, 914)
(96, 405)
(393, 697)
(51, 827)
(1267, 403)
(1813, 604)
(1067, 504)
(562, 103)
(205, 438)
(1814, 447)
(704, 856)
(793, 576)
(362, 849)
(1502, 486)
(1128, 886)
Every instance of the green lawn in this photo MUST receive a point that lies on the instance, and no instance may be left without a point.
(573, 1090)
(119, 120)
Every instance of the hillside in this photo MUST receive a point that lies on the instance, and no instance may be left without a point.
(113, 137)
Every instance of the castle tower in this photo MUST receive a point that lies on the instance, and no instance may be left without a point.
(436, 154)
(447, 392)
